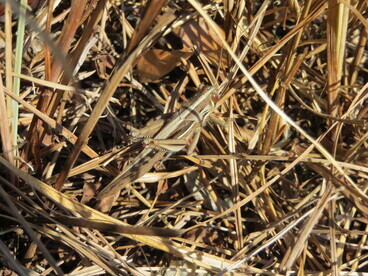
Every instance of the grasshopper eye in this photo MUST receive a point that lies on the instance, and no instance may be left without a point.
(215, 98)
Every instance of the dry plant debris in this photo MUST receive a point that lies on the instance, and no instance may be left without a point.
(183, 137)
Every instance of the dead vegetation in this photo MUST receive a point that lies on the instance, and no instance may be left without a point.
(276, 183)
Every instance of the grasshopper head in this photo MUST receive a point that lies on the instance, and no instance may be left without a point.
(213, 97)
(211, 102)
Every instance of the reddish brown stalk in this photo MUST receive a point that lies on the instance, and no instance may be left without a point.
(86, 36)
(70, 27)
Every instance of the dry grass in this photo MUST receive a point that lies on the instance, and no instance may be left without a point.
(277, 182)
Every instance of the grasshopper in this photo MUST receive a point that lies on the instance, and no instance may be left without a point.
(180, 127)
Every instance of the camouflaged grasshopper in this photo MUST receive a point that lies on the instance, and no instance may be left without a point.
(181, 126)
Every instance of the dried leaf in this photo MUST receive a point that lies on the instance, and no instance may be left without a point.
(197, 33)
(157, 63)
